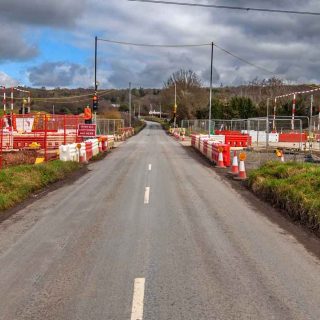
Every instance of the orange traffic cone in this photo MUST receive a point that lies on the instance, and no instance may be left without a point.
(220, 160)
(242, 171)
(235, 164)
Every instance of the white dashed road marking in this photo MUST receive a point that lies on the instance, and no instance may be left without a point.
(146, 195)
(138, 299)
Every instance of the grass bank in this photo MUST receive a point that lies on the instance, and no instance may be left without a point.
(294, 187)
(139, 126)
(19, 182)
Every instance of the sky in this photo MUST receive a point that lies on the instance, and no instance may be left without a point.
(50, 43)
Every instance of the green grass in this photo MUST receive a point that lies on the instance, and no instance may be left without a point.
(139, 126)
(19, 182)
(294, 187)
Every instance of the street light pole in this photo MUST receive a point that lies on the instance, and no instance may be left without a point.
(129, 104)
(211, 79)
(175, 105)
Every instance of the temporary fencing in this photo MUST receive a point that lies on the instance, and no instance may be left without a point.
(43, 132)
(109, 126)
(201, 126)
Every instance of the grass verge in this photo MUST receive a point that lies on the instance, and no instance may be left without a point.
(139, 126)
(19, 182)
(294, 187)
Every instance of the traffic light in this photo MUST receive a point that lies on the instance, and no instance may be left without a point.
(95, 103)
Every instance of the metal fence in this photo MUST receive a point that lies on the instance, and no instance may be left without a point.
(109, 126)
(202, 125)
(263, 134)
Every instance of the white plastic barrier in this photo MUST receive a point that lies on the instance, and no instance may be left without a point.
(261, 136)
(202, 140)
(111, 140)
(69, 152)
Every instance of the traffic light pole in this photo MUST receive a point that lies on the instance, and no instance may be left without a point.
(95, 63)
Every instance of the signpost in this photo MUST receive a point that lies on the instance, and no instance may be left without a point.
(87, 130)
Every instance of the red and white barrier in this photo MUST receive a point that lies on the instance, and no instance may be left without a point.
(211, 149)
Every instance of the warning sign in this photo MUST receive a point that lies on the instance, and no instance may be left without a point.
(86, 130)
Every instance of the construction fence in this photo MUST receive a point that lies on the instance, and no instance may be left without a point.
(109, 126)
(24, 138)
(261, 137)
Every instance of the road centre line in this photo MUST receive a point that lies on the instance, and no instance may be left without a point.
(150, 167)
(138, 299)
(147, 195)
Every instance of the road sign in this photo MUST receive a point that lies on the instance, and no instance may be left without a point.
(242, 156)
(86, 130)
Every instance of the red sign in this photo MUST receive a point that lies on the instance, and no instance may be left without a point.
(87, 130)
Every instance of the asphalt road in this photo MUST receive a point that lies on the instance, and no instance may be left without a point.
(189, 247)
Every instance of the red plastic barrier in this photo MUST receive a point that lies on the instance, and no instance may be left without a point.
(89, 153)
(239, 140)
(226, 154)
(227, 132)
(22, 141)
(293, 137)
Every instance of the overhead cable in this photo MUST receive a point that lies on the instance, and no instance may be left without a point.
(186, 46)
(191, 4)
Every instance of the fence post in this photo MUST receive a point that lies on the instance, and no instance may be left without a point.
(64, 130)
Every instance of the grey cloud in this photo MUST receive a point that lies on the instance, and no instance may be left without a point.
(42, 12)
(206, 75)
(56, 74)
(13, 46)
(121, 75)
(268, 40)
(154, 72)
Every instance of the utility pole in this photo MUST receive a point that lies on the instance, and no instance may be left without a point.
(129, 104)
(160, 111)
(267, 124)
(211, 80)
(139, 111)
(53, 109)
